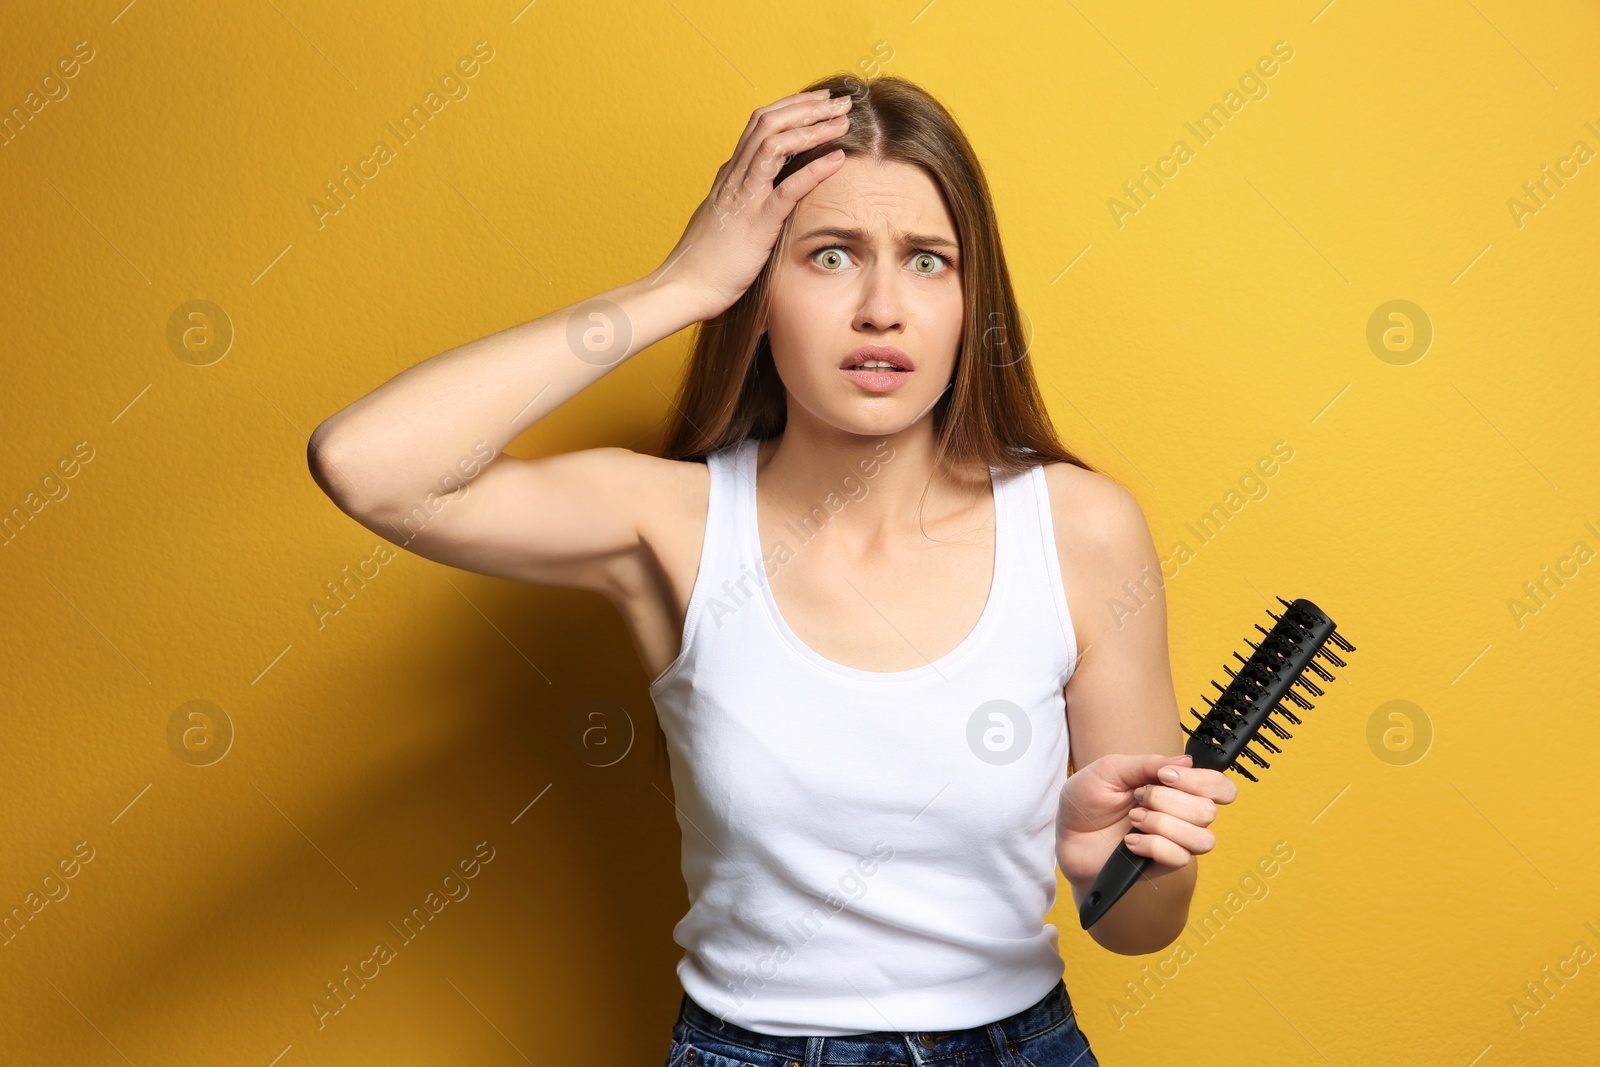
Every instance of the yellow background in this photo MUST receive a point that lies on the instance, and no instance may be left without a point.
(375, 750)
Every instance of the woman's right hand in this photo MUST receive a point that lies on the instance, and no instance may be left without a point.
(732, 232)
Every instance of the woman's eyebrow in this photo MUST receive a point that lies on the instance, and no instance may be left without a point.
(859, 236)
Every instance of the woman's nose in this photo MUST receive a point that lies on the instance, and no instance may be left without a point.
(881, 300)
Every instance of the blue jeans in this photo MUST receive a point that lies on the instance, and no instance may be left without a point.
(1044, 1035)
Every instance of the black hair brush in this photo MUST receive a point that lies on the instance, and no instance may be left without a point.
(1257, 691)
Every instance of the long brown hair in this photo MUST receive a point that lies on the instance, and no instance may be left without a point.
(991, 412)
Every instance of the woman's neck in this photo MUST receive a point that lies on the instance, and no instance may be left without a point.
(885, 478)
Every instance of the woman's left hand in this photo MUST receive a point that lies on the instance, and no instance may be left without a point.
(1164, 801)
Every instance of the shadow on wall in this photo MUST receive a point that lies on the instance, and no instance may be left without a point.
(552, 925)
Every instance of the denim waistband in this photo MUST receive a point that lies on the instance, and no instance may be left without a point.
(931, 1046)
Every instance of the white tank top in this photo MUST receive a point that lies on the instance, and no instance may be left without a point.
(867, 850)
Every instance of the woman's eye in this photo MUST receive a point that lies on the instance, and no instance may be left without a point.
(922, 262)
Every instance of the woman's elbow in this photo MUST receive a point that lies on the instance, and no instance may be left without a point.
(332, 466)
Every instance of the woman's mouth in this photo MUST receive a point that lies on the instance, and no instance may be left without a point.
(876, 375)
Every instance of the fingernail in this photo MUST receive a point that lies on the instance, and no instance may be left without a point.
(1132, 839)
(1169, 774)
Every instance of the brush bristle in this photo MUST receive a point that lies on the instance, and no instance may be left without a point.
(1260, 677)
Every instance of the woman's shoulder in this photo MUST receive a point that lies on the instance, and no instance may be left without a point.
(1092, 512)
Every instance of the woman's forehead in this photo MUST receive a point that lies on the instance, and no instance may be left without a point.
(880, 198)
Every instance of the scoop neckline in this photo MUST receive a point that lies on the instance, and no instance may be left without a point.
(998, 580)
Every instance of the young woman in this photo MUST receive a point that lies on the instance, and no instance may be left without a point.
(869, 583)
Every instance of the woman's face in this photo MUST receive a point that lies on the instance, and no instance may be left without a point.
(872, 260)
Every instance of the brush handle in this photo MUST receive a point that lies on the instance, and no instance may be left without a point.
(1255, 694)
(1115, 878)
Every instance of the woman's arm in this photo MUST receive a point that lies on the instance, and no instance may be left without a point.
(420, 460)
(390, 447)
(1122, 718)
